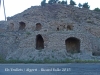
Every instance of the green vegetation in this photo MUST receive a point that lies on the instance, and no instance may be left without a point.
(80, 5)
(64, 2)
(85, 5)
(86, 61)
(28, 33)
(2, 60)
(97, 9)
(43, 3)
(46, 60)
(72, 2)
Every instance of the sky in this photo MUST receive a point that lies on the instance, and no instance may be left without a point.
(13, 7)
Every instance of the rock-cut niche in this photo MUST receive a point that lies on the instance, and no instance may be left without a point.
(22, 25)
(70, 27)
(96, 53)
(72, 45)
(39, 42)
(38, 26)
(11, 27)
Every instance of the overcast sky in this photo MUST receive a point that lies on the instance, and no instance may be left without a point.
(17, 6)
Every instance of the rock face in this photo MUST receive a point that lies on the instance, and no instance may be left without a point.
(54, 32)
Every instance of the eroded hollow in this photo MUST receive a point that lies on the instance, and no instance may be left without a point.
(72, 45)
(38, 26)
(57, 28)
(96, 53)
(22, 26)
(11, 27)
(69, 27)
(39, 42)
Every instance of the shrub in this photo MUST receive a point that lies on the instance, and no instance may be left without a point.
(85, 5)
(43, 3)
(80, 5)
(72, 2)
(97, 9)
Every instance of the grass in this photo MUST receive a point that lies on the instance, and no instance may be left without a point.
(49, 61)
(28, 33)
(87, 61)
(2, 60)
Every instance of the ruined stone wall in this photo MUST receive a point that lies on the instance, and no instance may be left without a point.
(33, 34)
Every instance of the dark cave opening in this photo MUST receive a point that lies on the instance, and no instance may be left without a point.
(39, 42)
(72, 45)
(22, 25)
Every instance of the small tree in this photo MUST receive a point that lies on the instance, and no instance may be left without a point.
(50, 1)
(64, 2)
(72, 2)
(80, 5)
(43, 3)
(85, 5)
(59, 2)
(97, 9)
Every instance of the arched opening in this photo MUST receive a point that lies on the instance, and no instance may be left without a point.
(38, 26)
(22, 25)
(39, 42)
(72, 45)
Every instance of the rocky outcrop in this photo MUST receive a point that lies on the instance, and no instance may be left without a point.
(54, 32)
